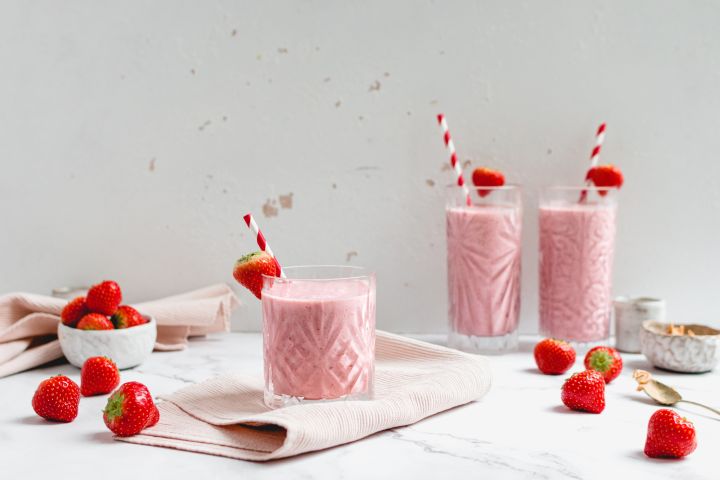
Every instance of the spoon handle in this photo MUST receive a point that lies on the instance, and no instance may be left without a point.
(701, 405)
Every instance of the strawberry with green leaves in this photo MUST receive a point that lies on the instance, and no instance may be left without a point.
(605, 360)
(130, 409)
(126, 316)
(249, 271)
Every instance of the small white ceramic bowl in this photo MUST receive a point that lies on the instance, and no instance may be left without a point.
(680, 353)
(127, 347)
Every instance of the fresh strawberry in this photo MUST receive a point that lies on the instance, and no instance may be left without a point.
(154, 418)
(605, 176)
(126, 316)
(94, 321)
(605, 360)
(249, 270)
(669, 435)
(486, 177)
(104, 297)
(74, 311)
(554, 357)
(99, 375)
(129, 409)
(57, 398)
(584, 391)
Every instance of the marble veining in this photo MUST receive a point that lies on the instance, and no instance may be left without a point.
(519, 430)
(538, 464)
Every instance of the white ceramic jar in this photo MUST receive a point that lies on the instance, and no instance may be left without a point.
(630, 313)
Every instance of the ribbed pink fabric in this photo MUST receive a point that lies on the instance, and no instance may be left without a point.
(28, 323)
(226, 416)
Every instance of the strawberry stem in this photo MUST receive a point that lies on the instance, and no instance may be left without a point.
(114, 407)
(601, 361)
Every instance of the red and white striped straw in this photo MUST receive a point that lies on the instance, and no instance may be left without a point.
(453, 158)
(250, 222)
(599, 139)
(594, 156)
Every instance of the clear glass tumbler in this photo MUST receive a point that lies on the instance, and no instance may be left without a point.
(483, 259)
(318, 334)
(577, 244)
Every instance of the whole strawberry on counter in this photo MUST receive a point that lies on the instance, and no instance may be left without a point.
(669, 435)
(57, 398)
(605, 360)
(584, 391)
(130, 409)
(99, 375)
(250, 268)
(554, 357)
(105, 297)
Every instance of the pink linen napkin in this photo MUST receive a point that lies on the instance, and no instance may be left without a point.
(28, 323)
(226, 416)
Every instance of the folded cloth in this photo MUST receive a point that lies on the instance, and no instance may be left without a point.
(28, 323)
(226, 416)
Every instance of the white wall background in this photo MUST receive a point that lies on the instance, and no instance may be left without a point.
(134, 135)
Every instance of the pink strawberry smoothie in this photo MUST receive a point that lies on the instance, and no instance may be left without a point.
(483, 248)
(576, 254)
(319, 338)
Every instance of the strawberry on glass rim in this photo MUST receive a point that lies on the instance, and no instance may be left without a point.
(250, 268)
(487, 177)
(605, 176)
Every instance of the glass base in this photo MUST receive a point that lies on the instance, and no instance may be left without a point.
(584, 347)
(486, 345)
(273, 400)
(581, 346)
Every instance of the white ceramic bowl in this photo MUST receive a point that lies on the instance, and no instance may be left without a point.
(127, 347)
(680, 353)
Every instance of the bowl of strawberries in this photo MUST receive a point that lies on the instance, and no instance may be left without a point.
(97, 325)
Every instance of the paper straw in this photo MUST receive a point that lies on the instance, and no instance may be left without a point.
(599, 139)
(453, 158)
(250, 222)
(594, 156)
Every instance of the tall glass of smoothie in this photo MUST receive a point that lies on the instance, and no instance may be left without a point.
(318, 335)
(577, 244)
(483, 266)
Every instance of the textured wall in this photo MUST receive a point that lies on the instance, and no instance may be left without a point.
(134, 135)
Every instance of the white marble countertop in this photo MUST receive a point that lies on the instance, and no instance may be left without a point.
(519, 430)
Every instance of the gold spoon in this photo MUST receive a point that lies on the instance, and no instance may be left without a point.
(661, 393)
